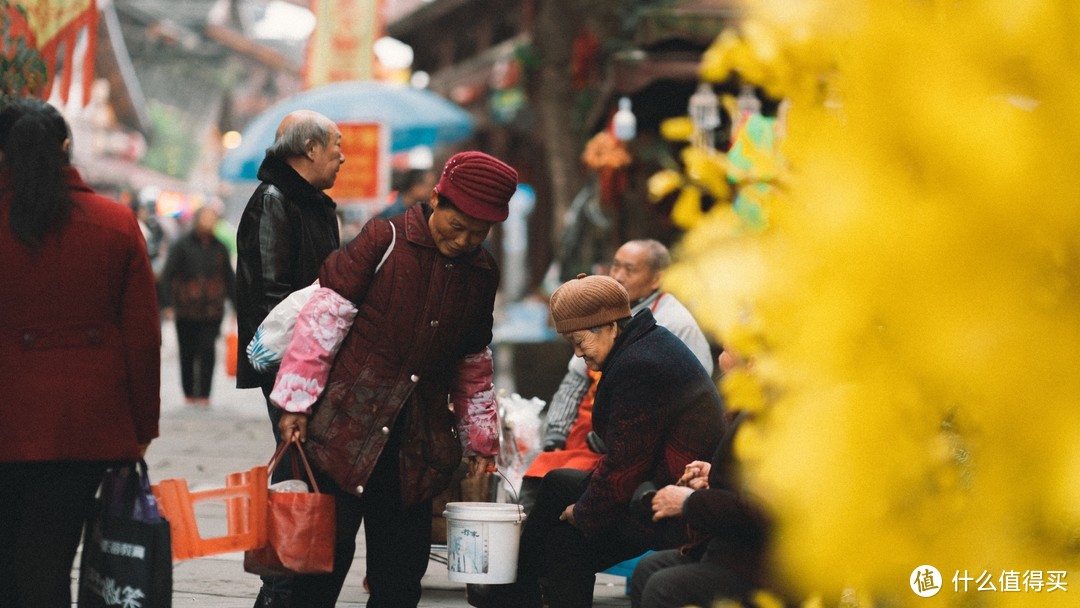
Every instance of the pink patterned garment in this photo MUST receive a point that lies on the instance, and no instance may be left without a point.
(475, 409)
(321, 327)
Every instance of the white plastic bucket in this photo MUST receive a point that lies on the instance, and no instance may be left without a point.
(482, 541)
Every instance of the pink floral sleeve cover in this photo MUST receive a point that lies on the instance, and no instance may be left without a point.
(475, 409)
(321, 327)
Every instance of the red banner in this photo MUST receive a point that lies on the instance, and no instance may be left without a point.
(50, 24)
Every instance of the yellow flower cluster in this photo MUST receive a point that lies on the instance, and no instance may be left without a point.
(913, 306)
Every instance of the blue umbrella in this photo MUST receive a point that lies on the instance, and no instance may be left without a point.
(415, 117)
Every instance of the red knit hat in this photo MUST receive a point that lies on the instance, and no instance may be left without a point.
(479, 185)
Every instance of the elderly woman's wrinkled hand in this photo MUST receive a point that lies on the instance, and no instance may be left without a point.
(668, 501)
(696, 475)
(293, 423)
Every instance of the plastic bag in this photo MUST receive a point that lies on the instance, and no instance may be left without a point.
(521, 437)
(272, 337)
(290, 485)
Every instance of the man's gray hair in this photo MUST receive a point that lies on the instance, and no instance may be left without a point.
(293, 140)
(658, 258)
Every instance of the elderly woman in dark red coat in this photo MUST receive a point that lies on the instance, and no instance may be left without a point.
(656, 410)
(79, 358)
(419, 292)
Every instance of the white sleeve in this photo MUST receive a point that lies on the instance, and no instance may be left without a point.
(671, 314)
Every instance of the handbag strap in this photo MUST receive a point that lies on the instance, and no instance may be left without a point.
(136, 481)
(393, 239)
(280, 451)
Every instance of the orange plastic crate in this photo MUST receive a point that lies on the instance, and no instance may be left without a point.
(245, 498)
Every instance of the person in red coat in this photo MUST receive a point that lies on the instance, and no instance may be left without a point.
(79, 352)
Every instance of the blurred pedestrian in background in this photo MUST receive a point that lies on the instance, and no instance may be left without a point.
(414, 187)
(80, 352)
(146, 213)
(198, 279)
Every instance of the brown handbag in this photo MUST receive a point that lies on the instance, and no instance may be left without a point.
(300, 528)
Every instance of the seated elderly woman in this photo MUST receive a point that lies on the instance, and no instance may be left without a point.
(656, 410)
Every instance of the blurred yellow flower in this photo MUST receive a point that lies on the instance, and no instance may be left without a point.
(708, 169)
(911, 301)
(663, 183)
(764, 599)
(743, 391)
(686, 212)
(679, 128)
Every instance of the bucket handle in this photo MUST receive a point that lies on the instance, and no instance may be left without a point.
(493, 468)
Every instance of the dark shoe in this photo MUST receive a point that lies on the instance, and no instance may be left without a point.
(478, 595)
(272, 600)
(501, 596)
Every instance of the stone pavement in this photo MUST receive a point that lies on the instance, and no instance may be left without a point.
(203, 445)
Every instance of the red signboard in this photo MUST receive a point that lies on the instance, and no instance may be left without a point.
(365, 176)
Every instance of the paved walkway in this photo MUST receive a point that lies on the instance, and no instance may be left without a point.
(202, 445)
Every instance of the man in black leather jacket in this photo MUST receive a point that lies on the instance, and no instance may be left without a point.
(287, 230)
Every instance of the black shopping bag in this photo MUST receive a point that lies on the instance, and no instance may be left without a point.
(127, 553)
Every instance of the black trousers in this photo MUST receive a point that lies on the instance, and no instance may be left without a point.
(196, 341)
(43, 507)
(277, 585)
(398, 540)
(284, 469)
(666, 579)
(557, 556)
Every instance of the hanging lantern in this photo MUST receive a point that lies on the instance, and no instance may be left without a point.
(704, 110)
(624, 123)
